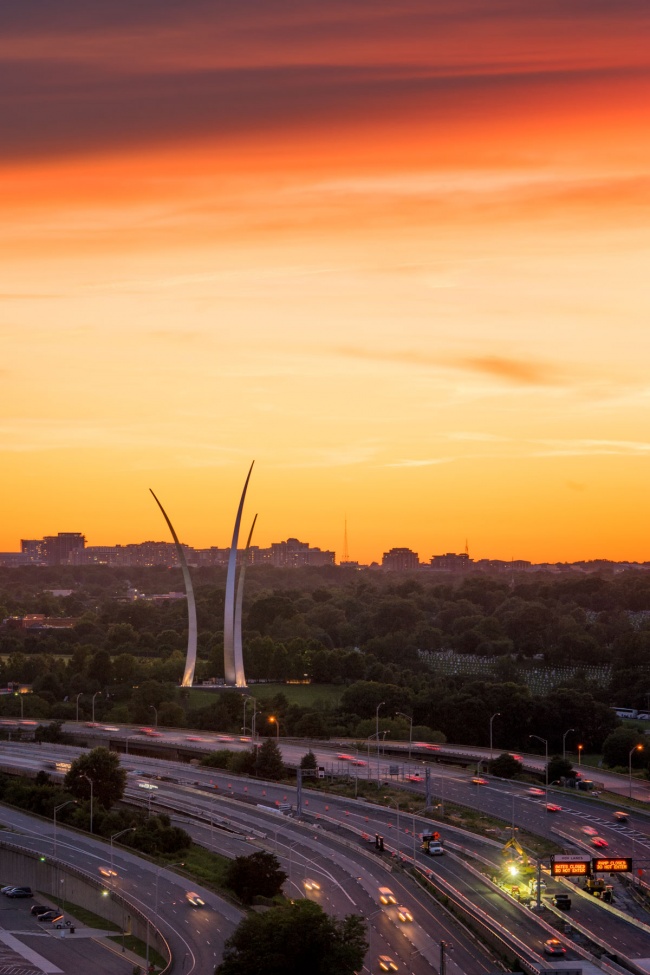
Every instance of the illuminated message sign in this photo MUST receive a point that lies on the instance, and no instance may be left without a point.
(611, 865)
(577, 868)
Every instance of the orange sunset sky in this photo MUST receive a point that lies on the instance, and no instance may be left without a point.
(397, 252)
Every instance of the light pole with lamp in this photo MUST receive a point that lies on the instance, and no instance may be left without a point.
(155, 711)
(444, 946)
(380, 705)
(545, 741)
(129, 829)
(637, 748)
(495, 715)
(390, 803)
(275, 721)
(94, 696)
(564, 741)
(77, 703)
(158, 869)
(88, 779)
(254, 703)
(580, 747)
(410, 719)
(56, 809)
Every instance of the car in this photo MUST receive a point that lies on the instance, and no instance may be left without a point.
(554, 947)
(91, 724)
(387, 964)
(599, 842)
(533, 791)
(194, 738)
(553, 807)
(311, 884)
(426, 744)
(517, 758)
(20, 892)
(386, 896)
(342, 757)
(620, 816)
(225, 738)
(107, 872)
(358, 761)
(194, 899)
(110, 728)
(62, 924)
(404, 914)
(54, 916)
(36, 909)
(4, 890)
(415, 777)
(477, 780)
(589, 831)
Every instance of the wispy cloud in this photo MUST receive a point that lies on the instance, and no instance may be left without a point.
(422, 462)
(526, 372)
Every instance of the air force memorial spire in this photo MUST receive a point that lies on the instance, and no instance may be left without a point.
(190, 660)
(233, 660)
(233, 656)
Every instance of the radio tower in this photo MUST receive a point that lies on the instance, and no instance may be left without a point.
(346, 554)
(466, 548)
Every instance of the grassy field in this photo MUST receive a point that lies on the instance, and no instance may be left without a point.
(306, 695)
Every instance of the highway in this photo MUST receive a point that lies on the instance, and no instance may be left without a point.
(304, 856)
(196, 937)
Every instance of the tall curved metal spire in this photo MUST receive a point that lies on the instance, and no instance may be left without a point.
(233, 677)
(190, 660)
(239, 649)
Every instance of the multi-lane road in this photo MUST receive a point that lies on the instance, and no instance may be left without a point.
(226, 814)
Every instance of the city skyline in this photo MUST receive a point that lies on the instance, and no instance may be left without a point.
(70, 548)
(396, 252)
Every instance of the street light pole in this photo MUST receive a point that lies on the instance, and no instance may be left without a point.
(155, 710)
(580, 747)
(444, 945)
(546, 747)
(129, 829)
(390, 803)
(87, 777)
(77, 701)
(564, 741)
(495, 715)
(637, 748)
(94, 696)
(410, 718)
(56, 809)
(381, 704)
(277, 727)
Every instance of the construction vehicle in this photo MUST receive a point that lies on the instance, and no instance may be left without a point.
(598, 887)
(514, 844)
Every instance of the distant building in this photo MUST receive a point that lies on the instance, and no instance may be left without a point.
(293, 553)
(400, 559)
(33, 549)
(451, 562)
(58, 548)
(38, 621)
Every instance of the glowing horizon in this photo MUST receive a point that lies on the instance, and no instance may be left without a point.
(398, 253)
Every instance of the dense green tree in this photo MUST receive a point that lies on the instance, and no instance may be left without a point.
(560, 768)
(103, 768)
(309, 761)
(505, 766)
(257, 875)
(270, 764)
(618, 745)
(295, 939)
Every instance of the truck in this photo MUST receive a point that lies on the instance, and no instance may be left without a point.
(431, 844)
